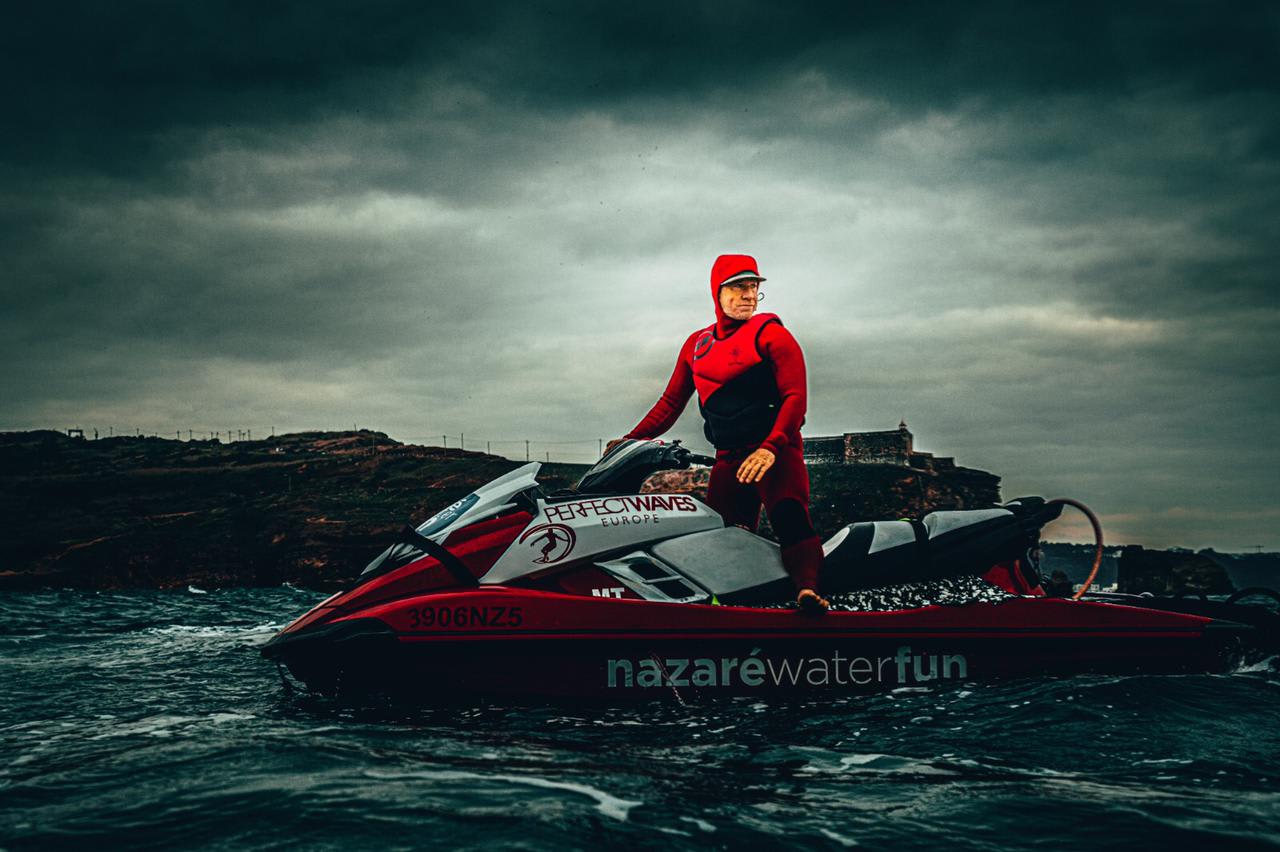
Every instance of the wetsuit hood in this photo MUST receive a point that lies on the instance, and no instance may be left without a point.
(727, 268)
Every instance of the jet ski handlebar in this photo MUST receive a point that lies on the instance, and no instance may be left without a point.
(624, 468)
(687, 458)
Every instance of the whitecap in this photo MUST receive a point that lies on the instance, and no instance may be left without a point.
(29, 638)
(608, 805)
(838, 838)
(881, 764)
(152, 726)
(1262, 666)
(214, 631)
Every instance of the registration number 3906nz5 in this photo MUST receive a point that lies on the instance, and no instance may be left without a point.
(466, 616)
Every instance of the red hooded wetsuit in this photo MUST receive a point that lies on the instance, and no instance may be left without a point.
(750, 380)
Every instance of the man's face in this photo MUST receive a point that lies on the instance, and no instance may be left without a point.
(738, 300)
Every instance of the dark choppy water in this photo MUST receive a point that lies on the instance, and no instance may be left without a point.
(147, 719)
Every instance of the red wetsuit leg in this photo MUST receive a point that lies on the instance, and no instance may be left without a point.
(737, 503)
(788, 478)
(784, 491)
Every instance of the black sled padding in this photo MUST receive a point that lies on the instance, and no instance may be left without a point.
(940, 545)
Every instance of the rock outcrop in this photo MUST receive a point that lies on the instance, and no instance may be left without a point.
(310, 508)
(1164, 572)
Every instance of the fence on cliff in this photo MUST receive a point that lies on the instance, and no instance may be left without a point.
(578, 450)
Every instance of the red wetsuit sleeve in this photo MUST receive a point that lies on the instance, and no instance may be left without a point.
(781, 350)
(672, 402)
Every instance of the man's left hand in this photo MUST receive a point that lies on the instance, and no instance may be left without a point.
(756, 465)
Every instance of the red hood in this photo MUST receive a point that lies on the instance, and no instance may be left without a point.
(725, 267)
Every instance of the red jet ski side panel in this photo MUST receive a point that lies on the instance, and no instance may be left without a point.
(501, 641)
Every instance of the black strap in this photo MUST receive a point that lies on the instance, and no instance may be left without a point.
(452, 564)
(922, 542)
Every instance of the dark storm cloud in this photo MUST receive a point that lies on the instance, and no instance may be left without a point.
(1045, 234)
(94, 83)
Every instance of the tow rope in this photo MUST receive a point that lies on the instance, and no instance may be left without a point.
(1097, 538)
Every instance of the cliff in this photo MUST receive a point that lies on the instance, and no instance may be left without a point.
(308, 508)
(311, 508)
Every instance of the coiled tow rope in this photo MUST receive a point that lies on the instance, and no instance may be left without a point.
(1097, 538)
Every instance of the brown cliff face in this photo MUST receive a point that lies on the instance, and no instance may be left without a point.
(311, 509)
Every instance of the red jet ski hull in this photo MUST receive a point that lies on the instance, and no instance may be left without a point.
(499, 641)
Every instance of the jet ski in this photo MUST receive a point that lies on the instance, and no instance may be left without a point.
(602, 591)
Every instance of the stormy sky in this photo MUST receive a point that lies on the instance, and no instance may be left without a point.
(1046, 236)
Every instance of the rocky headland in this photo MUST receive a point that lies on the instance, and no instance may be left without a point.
(1170, 572)
(313, 508)
(307, 508)
(1135, 569)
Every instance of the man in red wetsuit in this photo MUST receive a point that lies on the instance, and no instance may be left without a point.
(749, 374)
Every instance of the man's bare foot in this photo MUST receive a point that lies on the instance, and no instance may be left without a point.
(810, 602)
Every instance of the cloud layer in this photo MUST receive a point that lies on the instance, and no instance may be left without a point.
(1044, 237)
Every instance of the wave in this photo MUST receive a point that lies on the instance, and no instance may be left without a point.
(607, 804)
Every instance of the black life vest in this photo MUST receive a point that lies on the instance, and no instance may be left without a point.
(737, 393)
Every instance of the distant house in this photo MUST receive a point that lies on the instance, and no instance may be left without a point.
(894, 447)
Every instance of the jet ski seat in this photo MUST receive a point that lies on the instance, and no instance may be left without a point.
(738, 567)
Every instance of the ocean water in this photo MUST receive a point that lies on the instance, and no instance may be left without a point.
(149, 720)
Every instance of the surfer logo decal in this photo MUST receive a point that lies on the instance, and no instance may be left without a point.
(555, 540)
(703, 345)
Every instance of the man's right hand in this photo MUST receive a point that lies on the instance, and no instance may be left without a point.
(609, 446)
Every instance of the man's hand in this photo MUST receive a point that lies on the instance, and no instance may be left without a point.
(609, 446)
(756, 465)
